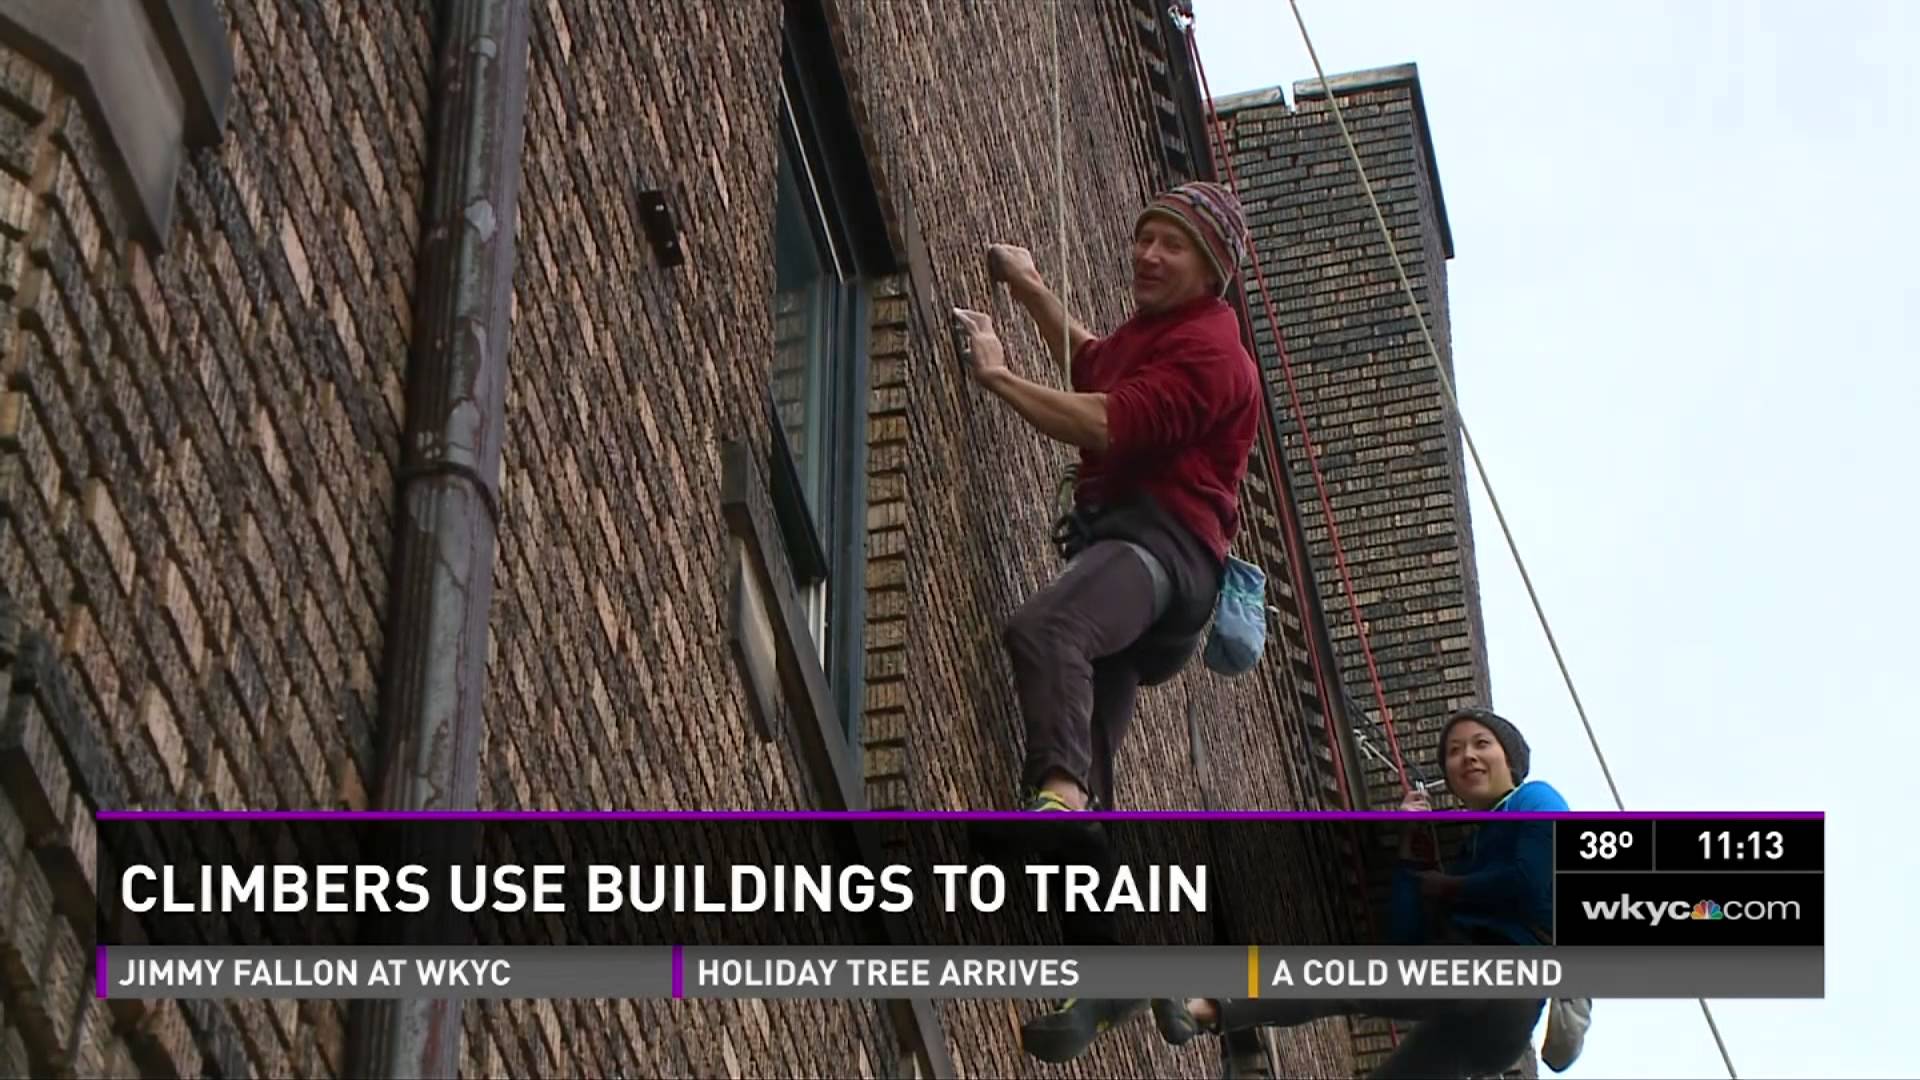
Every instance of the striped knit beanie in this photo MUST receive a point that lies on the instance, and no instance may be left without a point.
(1211, 214)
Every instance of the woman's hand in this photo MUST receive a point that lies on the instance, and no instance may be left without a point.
(1417, 844)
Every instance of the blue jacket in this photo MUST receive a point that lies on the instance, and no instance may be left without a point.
(1506, 887)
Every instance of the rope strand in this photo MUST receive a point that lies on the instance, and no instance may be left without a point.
(1060, 188)
(1270, 455)
(1446, 387)
(1453, 403)
(1306, 436)
(1217, 140)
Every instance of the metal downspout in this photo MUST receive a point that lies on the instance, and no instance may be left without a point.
(447, 492)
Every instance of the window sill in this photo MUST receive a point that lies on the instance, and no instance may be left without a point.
(778, 663)
(153, 79)
(769, 632)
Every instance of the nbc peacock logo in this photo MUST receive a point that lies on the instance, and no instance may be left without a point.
(1707, 909)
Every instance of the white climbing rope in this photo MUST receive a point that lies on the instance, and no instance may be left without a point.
(1060, 188)
(1453, 403)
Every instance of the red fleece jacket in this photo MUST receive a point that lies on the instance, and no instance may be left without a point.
(1183, 401)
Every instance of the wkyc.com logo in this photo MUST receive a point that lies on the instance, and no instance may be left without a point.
(1627, 909)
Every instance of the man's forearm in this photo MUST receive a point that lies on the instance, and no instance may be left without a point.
(1057, 328)
(1075, 419)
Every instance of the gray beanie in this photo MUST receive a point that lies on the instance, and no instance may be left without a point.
(1509, 737)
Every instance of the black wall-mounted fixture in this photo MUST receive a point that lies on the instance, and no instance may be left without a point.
(656, 217)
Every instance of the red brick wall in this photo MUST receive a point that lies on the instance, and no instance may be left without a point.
(611, 684)
(660, 365)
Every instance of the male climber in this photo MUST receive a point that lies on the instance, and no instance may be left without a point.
(1163, 411)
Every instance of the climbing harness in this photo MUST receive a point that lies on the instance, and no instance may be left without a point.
(1162, 587)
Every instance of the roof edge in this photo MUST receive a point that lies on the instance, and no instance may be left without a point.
(1386, 78)
(1250, 99)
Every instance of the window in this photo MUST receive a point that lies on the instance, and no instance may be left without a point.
(817, 384)
(826, 222)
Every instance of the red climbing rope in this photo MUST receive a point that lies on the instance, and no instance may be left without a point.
(1297, 562)
(1223, 152)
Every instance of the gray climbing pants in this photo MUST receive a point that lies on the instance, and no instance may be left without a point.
(1079, 649)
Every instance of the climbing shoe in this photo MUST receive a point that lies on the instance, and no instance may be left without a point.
(1177, 1025)
(1045, 828)
(1064, 831)
(1062, 1036)
(1044, 801)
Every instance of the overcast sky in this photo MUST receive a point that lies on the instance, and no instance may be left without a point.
(1686, 324)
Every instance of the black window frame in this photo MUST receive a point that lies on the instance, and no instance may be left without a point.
(817, 132)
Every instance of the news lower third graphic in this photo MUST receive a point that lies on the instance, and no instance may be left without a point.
(940, 906)
(1104, 971)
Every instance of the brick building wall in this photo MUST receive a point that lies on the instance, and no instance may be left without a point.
(958, 494)
(197, 448)
(198, 442)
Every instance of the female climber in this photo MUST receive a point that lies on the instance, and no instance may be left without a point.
(1500, 894)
